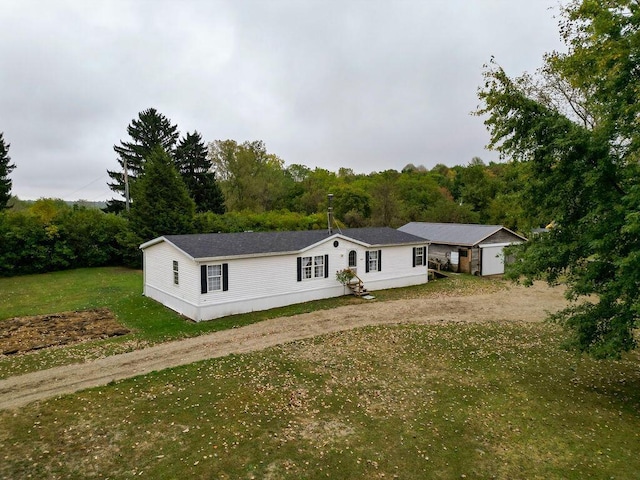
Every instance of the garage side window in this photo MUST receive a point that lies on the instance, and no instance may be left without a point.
(176, 277)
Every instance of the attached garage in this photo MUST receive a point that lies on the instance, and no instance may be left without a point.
(466, 248)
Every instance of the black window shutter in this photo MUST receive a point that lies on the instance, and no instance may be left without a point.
(379, 260)
(203, 279)
(299, 269)
(326, 266)
(414, 256)
(366, 262)
(225, 277)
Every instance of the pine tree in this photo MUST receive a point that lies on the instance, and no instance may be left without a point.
(150, 130)
(6, 167)
(195, 168)
(161, 201)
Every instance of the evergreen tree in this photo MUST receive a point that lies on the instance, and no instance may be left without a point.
(195, 168)
(150, 130)
(6, 167)
(161, 202)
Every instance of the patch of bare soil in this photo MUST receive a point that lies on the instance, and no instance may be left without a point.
(513, 304)
(25, 334)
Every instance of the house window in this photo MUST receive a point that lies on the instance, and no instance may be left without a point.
(373, 263)
(318, 266)
(176, 279)
(418, 256)
(214, 277)
(307, 267)
(313, 267)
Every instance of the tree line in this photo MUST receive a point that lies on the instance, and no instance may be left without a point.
(228, 176)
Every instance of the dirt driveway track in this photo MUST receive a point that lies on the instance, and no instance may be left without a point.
(516, 304)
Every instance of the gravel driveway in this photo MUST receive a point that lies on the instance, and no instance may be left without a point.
(514, 304)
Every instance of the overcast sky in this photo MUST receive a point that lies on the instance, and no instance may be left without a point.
(364, 84)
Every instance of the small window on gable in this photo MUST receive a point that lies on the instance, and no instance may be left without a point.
(176, 278)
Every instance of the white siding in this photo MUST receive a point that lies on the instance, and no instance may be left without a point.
(259, 283)
(158, 278)
(397, 270)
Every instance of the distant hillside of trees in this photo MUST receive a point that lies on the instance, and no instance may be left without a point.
(18, 204)
(50, 234)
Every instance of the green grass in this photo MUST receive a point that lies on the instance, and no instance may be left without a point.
(413, 402)
(120, 290)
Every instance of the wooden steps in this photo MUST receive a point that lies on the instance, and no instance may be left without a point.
(354, 283)
(357, 288)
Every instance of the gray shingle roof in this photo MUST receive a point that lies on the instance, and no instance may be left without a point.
(210, 245)
(453, 233)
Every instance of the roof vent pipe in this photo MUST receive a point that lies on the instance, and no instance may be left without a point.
(330, 213)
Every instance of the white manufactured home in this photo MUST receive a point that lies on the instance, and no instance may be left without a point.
(207, 276)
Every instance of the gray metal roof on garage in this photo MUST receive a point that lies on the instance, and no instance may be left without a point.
(465, 234)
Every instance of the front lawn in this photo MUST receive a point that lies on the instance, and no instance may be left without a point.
(489, 400)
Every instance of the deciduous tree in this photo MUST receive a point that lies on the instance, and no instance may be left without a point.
(250, 177)
(576, 126)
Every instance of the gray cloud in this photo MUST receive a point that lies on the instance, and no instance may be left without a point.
(368, 85)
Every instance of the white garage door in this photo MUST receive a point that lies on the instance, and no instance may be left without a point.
(492, 260)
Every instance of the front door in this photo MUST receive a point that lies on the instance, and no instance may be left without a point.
(465, 260)
(353, 261)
